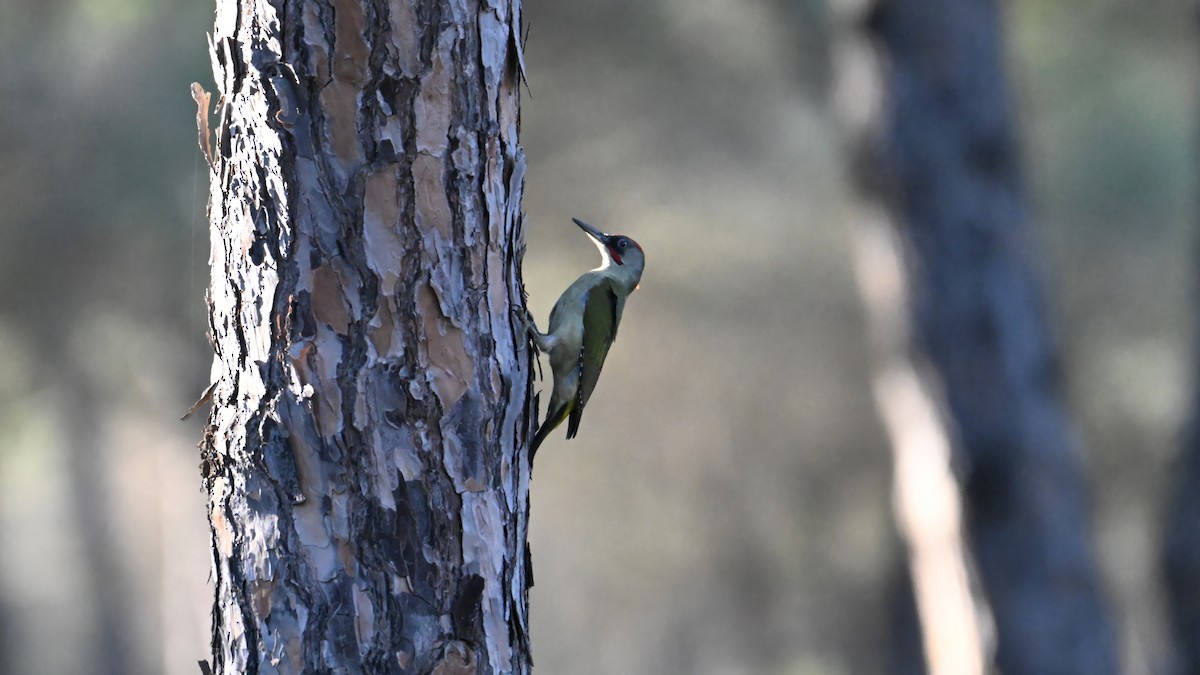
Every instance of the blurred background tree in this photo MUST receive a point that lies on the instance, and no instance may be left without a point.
(101, 271)
(1181, 536)
(742, 523)
(1181, 550)
(968, 381)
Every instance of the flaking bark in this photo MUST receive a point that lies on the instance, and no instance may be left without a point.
(368, 500)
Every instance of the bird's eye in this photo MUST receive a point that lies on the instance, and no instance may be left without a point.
(623, 244)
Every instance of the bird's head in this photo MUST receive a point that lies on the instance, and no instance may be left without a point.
(617, 249)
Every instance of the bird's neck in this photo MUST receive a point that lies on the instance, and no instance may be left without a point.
(627, 276)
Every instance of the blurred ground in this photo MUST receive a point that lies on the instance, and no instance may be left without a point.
(725, 507)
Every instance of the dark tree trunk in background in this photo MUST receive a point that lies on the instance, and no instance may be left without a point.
(1181, 550)
(368, 501)
(936, 157)
(904, 655)
(1181, 539)
(113, 649)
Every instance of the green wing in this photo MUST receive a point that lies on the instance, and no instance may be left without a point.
(599, 331)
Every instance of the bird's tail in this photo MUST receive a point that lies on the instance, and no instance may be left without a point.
(554, 419)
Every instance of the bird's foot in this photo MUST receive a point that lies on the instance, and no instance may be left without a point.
(524, 318)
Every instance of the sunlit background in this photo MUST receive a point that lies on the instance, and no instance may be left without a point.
(725, 507)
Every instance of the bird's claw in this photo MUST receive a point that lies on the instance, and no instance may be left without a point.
(523, 317)
(532, 335)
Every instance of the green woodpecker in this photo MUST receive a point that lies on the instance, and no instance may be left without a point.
(583, 325)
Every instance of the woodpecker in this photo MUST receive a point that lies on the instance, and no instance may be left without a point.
(583, 325)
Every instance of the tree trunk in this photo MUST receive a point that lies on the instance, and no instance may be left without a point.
(1181, 551)
(368, 487)
(113, 646)
(1181, 543)
(961, 317)
(904, 654)
(1180, 556)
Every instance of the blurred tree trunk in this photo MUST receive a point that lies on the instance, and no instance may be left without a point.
(969, 381)
(1181, 540)
(368, 499)
(1181, 550)
(904, 654)
(113, 647)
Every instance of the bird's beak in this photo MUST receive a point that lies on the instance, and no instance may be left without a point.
(606, 242)
(595, 234)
